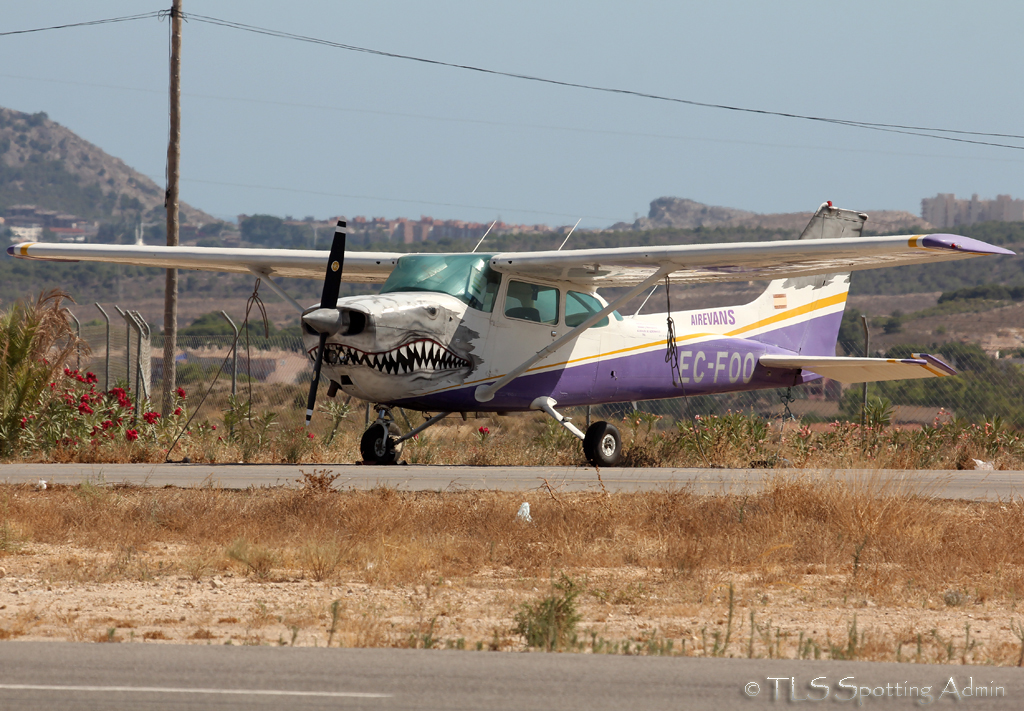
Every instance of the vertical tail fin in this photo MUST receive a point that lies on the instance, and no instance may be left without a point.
(803, 314)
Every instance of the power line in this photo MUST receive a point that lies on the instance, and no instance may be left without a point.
(885, 127)
(108, 21)
(515, 124)
(910, 130)
(397, 200)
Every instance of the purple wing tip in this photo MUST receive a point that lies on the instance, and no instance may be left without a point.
(936, 362)
(962, 244)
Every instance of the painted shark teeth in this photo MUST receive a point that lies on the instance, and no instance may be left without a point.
(423, 355)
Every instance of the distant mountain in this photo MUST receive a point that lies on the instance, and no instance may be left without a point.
(45, 164)
(681, 213)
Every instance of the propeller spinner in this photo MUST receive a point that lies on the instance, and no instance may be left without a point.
(328, 300)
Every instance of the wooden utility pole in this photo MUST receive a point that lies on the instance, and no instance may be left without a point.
(171, 203)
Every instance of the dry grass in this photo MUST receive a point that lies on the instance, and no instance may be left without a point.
(887, 543)
(806, 568)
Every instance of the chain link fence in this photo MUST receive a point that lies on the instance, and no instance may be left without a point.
(273, 373)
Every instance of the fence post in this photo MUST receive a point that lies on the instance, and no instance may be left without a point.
(78, 344)
(148, 333)
(864, 386)
(130, 319)
(127, 346)
(106, 359)
(234, 354)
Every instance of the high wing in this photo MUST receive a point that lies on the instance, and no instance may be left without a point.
(863, 370)
(739, 261)
(831, 243)
(365, 267)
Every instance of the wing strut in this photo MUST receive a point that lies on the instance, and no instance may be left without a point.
(485, 393)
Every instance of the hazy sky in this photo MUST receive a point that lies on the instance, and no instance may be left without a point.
(283, 127)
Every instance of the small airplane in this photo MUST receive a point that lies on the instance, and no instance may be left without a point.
(521, 331)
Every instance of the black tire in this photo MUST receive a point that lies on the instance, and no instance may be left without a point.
(602, 445)
(378, 445)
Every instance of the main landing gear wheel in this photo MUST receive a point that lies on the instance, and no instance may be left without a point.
(378, 444)
(602, 445)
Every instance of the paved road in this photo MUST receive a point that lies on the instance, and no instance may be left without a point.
(61, 675)
(975, 485)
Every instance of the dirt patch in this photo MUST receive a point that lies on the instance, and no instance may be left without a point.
(622, 611)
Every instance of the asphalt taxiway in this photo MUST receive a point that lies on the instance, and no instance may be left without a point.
(95, 677)
(949, 484)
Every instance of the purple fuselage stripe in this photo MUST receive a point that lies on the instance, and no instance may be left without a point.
(720, 365)
(816, 337)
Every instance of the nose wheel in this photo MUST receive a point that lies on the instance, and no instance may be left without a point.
(383, 441)
(379, 445)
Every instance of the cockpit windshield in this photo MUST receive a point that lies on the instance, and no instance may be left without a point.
(467, 277)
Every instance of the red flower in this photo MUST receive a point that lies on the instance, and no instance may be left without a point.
(84, 409)
(311, 435)
(484, 430)
(106, 424)
(151, 417)
(181, 393)
(213, 427)
(131, 435)
(177, 411)
(24, 422)
(91, 378)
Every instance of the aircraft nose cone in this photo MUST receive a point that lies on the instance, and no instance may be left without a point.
(10, 250)
(327, 321)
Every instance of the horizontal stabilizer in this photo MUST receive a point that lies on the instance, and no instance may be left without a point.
(863, 370)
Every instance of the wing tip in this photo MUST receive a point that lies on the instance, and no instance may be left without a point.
(959, 243)
(935, 365)
(20, 250)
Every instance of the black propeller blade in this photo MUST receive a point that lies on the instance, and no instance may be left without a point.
(328, 300)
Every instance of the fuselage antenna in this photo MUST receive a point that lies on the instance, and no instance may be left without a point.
(485, 236)
(570, 234)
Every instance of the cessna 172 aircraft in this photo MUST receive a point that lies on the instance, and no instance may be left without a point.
(527, 330)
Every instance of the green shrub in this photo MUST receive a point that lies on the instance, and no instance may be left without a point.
(35, 344)
(550, 623)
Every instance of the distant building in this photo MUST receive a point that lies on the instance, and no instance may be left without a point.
(427, 229)
(945, 210)
(28, 222)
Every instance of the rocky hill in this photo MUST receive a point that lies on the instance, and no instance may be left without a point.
(45, 164)
(681, 213)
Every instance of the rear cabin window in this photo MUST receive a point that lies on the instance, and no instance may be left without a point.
(579, 307)
(531, 302)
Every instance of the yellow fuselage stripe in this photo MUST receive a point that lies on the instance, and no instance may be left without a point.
(792, 313)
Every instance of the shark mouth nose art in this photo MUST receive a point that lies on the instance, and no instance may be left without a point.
(423, 355)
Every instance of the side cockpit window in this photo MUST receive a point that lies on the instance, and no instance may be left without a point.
(531, 302)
